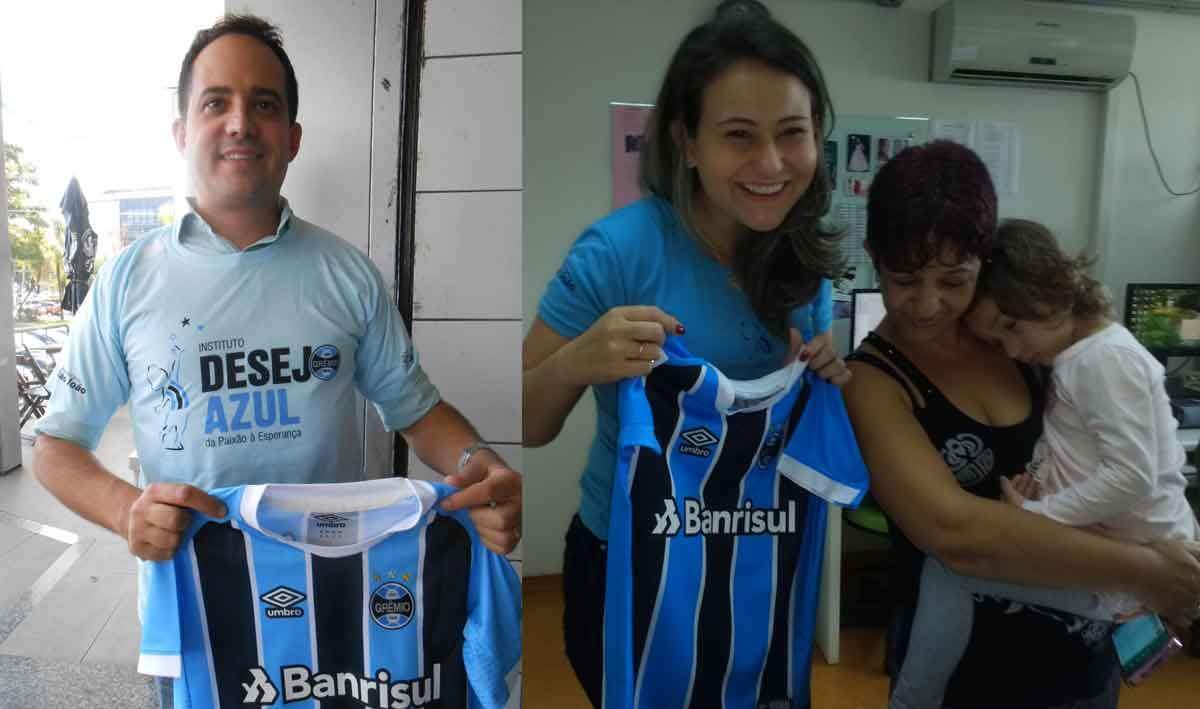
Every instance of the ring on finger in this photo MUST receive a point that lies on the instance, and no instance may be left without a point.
(641, 348)
(492, 504)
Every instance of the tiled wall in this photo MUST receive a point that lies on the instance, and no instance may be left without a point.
(467, 266)
(467, 281)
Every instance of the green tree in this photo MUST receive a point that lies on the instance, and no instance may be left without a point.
(32, 252)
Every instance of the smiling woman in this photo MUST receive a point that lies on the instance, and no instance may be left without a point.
(728, 242)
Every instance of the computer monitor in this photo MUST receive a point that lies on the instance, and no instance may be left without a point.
(1165, 317)
(866, 310)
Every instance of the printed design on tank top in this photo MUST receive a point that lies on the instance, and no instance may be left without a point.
(1037, 460)
(968, 458)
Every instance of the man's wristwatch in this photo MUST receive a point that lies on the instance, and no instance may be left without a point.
(470, 451)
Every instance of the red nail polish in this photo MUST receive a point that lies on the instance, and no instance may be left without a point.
(804, 356)
(679, 329)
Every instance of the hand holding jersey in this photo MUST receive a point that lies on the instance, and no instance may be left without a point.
(820, 355)
(154, 524)
(492, 491)
(625, 342)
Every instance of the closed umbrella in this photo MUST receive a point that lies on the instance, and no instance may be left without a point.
(79, 251)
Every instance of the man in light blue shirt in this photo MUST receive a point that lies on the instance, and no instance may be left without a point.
(239, 335)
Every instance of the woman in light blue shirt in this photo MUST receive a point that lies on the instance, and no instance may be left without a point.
(728, 241)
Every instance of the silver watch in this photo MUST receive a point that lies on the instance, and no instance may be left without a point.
(470, 451)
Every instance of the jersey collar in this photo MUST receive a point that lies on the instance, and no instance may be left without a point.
(333, 498)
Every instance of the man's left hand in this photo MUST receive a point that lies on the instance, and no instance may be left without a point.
(491, 491)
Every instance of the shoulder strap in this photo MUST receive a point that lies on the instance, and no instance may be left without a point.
(916, 382)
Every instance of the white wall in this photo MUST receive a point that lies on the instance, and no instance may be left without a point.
(10, 432)
(1146, 234)
(467, 282)
(345, 174)
(581, 56)
(467, 286)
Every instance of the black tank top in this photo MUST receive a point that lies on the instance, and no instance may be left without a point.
(1019, 656)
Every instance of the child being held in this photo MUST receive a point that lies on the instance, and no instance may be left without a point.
(1108, 458)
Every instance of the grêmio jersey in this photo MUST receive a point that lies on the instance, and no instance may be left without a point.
(716, 535)
(334, 595)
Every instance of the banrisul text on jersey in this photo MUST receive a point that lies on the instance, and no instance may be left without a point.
(717, 533)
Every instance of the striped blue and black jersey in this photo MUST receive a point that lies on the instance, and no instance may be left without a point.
(343, 595)
(715, 541)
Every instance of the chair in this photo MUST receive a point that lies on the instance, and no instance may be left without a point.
(31, 387)
(867, 517)
(867, 597)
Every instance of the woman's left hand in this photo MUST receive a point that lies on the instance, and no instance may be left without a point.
(820, 355)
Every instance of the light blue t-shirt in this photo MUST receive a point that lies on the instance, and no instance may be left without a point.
(240, 367)
(643, 254)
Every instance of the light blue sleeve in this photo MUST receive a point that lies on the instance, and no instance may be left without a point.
(816, 317)
(91, 380)
(161, 652)
(822, 455)
(161, 584)
(587, 286)
(492, 637)
(387, 370)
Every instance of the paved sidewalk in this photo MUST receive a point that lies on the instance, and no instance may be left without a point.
(68, 606)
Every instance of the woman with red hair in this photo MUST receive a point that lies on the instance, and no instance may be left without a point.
(941, 416)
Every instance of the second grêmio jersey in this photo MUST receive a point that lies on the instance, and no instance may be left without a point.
(334, 595)
(716, 537)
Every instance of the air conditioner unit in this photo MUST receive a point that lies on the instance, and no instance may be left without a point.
(1006, 42)
(1191, 7)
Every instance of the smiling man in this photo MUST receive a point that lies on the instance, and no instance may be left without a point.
(239, 334)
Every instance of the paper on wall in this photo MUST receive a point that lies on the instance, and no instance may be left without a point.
(997, 144)
(960, 132)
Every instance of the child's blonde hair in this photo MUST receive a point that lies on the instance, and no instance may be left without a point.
(1030, 277)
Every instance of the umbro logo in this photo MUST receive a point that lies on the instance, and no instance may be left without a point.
(330, 520)
(697, 441)
(283, 601)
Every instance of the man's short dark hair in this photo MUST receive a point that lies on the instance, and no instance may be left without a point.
(250, 26)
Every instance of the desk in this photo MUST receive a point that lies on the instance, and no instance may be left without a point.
(829, 609)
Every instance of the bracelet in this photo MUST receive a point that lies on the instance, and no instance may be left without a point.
(470, 451)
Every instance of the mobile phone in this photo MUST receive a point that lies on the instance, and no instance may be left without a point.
(1143, 644)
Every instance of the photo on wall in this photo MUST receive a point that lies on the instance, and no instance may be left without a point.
(858, 152)
(858, 185)
(628, 126)
(882, 154)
